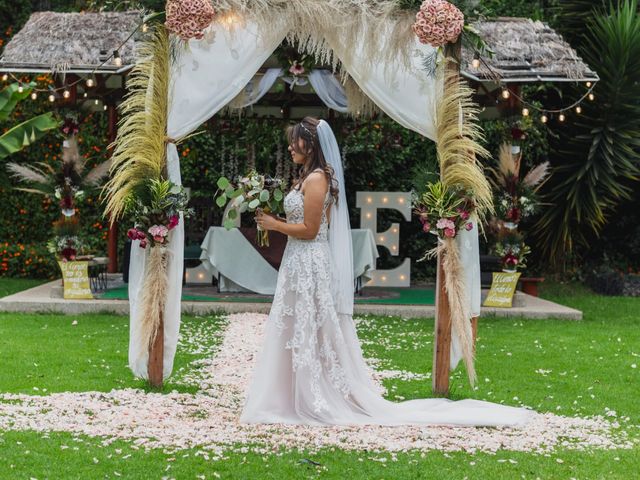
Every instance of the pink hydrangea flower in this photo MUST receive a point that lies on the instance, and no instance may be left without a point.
(449, 232)
(438, 22)
(189, 18)
(445, 223)
(159, 233)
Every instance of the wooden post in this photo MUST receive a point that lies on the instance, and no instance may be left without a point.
(442, 343)
(112, 246)
(442, 337)
(155, 366)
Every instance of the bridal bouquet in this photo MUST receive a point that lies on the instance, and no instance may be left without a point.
(249, 193)
(444, 211)
(156, 211)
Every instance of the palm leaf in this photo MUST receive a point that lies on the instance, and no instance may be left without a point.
(596, 159)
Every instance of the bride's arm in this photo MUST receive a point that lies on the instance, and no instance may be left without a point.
(315, 190)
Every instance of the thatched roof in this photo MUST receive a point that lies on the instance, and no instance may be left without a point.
(526, 51)
(71, 42)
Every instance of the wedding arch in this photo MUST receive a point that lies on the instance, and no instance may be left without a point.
(200, 59)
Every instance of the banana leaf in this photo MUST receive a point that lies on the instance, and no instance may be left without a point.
(10, 96)
(26, 133)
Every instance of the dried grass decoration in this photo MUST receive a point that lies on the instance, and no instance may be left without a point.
(156, 207)
(138, 187)
(445, 211)
(458, 145)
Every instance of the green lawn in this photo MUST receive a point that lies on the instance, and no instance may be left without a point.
(9, 286)
(566, 367)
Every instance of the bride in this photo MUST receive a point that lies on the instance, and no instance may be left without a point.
(311, 369)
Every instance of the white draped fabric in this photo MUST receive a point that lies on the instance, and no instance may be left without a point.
(210, 73)
(469, 247)
(206, 76)
(329, 89)
(407, 95)
(252, 94)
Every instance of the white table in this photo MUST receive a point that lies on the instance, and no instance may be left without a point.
(239, 267)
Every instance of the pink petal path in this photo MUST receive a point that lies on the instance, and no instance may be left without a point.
(208, 420)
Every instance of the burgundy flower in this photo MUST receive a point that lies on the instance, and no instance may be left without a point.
(173, 222)
(513, 214)
(69, 253)
(517, 134)
(143, 243)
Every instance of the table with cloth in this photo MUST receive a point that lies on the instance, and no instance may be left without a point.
(233, 258)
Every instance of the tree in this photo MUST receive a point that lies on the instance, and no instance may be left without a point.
(596, 157)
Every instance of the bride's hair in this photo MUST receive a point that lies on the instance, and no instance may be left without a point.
(307, 131)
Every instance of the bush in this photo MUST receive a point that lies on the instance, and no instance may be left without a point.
(27, 261)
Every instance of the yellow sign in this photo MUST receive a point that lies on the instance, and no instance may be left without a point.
(502, 288)
(75, 276)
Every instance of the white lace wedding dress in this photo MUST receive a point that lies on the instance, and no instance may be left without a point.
(311, 369)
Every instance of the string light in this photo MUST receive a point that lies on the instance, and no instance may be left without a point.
(90, 82)
(66, 94)
(85, 94)
(592, 97)
(5, 77)
(475, 63)
(589, 84)
(561, 117)
(34, 95)
(505, 93)
(52, 97)
(96, 101)
(525, 112)
(544, 118)
(20, 88)
(578, 109)
(117, 60)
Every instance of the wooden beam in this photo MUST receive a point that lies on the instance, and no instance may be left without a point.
(155, 366)
(112, 245)
(442, 343)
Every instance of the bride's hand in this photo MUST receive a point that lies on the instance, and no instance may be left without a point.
(266, 221)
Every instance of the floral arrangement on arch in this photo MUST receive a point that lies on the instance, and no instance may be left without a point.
(189, 18)
(438, 22)
(155, 208)
(444, 211)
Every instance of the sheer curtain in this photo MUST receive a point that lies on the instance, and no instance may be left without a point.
(204, 78)
(329, 89)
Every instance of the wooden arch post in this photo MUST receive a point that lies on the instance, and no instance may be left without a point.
(442, 334)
